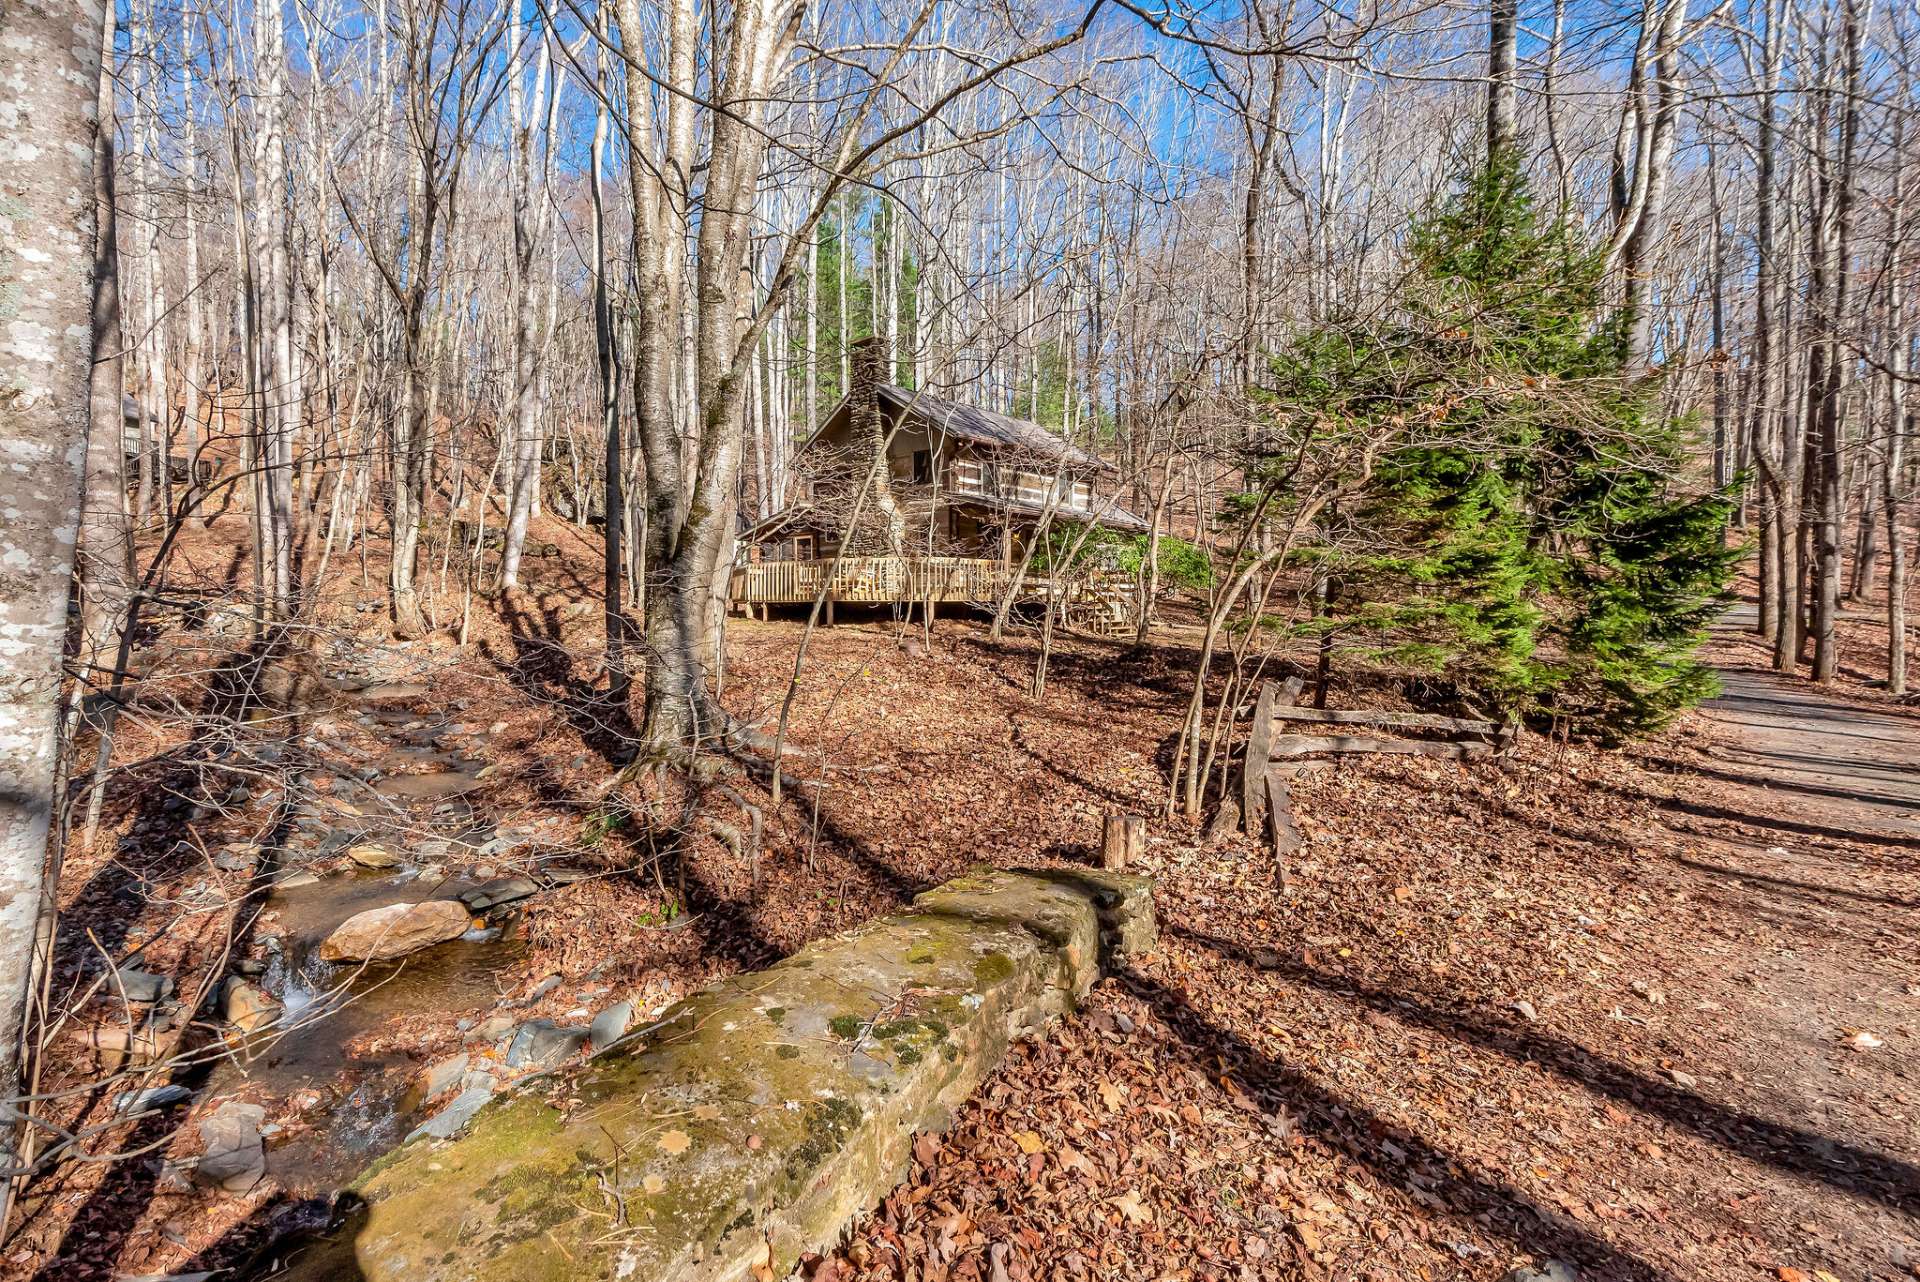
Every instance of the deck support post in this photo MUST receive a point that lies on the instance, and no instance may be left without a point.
(829, 609)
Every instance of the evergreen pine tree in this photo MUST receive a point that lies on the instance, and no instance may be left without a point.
(1529, 534)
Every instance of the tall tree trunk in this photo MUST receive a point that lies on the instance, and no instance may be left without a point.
(281, 382)
(525, 455)
(1892, 458)
(1503, 57)
(50, 52)
(607, 360)
(1717, 272)
(191, 372)
(1766, 425)
(1659, 114)
(1829, 495)
(106, 539)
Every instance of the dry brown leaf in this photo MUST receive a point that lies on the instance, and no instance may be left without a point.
(1129, 1205)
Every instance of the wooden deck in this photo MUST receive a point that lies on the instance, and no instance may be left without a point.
(876, 580)
(1093, 601)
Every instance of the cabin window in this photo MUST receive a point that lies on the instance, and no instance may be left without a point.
(803, 547)
(923, 467)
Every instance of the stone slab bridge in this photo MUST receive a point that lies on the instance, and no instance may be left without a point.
(755, 1119)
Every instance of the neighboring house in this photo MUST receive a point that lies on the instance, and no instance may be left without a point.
(961, 496)
(136, 419)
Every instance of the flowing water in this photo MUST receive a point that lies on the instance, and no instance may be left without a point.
(355, 1087)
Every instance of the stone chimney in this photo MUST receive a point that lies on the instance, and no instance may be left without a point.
(866, 370)
(879, 532)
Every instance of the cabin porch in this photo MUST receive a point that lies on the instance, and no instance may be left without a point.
(1095, 601)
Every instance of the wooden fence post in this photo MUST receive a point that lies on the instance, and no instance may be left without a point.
(1281, 829)
(1253, 769)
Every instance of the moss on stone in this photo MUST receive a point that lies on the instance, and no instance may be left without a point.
(523, 1197)
(993, 968)
(827, 1124)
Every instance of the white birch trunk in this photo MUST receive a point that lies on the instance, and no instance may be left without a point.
(49, 79)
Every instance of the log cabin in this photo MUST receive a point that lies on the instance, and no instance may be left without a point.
(910, 497)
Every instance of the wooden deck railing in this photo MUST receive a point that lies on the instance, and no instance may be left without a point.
(876, 580)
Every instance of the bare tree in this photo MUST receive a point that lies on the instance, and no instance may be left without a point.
(50, 54)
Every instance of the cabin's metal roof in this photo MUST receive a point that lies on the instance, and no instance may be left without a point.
(986, 427)
(1107, 512)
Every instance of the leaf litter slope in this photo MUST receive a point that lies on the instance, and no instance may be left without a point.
(1570, 1010)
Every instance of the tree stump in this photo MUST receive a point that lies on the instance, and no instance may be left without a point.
(1123, 839)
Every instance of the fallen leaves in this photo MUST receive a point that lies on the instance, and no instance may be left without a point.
(760, 1262)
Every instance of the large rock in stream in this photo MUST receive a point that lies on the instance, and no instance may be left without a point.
(757, 1117)
(382, 934)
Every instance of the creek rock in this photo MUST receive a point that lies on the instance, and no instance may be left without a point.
(609, 1024)
(444, 1075)
(139, 985)
(370, 856)
(237, 858)
(452, 1119)
(492, 1028)
(538, 991)
(236, 1156)
(150, 1097)
(1550, 1271)
(501, 890)
(248, 1008)
(381, 934)
(541, 1042)
(760, 1115)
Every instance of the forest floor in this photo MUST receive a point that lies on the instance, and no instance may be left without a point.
(1652, 1012)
